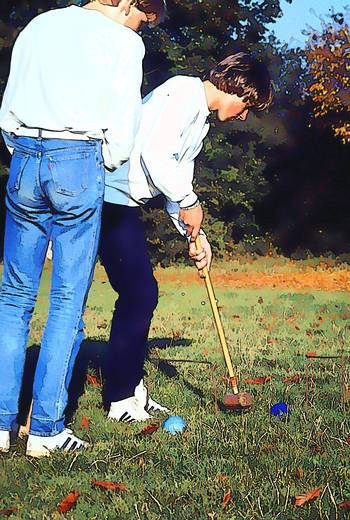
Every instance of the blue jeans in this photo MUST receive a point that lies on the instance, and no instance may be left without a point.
(54, 192)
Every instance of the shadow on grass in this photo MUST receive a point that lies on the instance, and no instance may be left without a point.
(92, 354)
(170, 371)
(163, 343)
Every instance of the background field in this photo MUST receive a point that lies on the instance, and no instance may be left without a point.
(274, 312)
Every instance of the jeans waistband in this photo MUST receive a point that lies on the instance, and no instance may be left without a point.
(25, 131)
(33, 146)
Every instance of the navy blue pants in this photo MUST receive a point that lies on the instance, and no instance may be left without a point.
(124, 254)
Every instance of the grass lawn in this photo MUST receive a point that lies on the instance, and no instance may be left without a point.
(225, 466)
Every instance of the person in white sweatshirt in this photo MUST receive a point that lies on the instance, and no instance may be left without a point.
(70, 110)
(173, 126)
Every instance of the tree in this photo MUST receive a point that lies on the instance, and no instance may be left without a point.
(328, 57)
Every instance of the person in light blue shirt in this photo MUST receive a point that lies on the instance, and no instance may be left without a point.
(172, 128)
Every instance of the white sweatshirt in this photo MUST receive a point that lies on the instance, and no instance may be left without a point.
(173, 126)
(75, 70)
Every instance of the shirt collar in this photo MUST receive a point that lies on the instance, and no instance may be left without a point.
(203, 104)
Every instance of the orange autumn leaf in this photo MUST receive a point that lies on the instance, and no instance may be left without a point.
(317, 450)
(149, 429)
(345, 505)
(221, 478)
(310, 354)
(141, 462)
(347, 440)
(267, 447)
(292, 379)
(93, 381)
(257, 380)
(309, 333)
(271, 341)
(9, 511)
(205, 352)
(113, 486)
(227, 497)
(85, 423)
(300, 500)
(67, 503)
(299, 473)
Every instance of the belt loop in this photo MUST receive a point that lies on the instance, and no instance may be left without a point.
(40, 136)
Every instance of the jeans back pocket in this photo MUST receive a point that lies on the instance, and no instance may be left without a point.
(70, 172)
(18, 163)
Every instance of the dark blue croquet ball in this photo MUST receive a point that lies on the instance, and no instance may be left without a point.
(280, 410)
(174, 424)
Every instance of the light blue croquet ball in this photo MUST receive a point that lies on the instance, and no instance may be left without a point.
(174, 424)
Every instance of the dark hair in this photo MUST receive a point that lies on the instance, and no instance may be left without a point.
(245, 76)
(155, 9)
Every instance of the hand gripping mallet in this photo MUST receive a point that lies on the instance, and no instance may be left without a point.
(237, 400)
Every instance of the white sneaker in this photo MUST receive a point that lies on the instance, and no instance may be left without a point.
(153, 406)
(149, 404)
(128, 410)
(4, 441)
(38, 446)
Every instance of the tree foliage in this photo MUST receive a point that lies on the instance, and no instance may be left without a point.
(273, 175)
(328, 57)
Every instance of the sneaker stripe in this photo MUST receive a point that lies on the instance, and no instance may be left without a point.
(66, 442)
(73, 446)
(124, 416)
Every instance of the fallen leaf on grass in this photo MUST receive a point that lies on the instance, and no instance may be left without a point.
(310, 354)
(268, 447)
(318, 450)
(93, 381)
(347, 440)
(257, 380)
(346, 393)
(345, 505)
(221, 478)
(205, 352)
(149, 429)
(227, 497)
(300, 500)
(67, 503)
(9, 511)
(299, 473)
(113, 486)
(102, 325)
(292, 379)
(85, 423)
(141, 462)
(309, 333)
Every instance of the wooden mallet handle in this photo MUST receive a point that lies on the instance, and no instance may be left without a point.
(217, 319)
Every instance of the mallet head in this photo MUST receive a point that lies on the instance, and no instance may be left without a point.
(240, 401)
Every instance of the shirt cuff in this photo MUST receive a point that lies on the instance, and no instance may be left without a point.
(190, 199)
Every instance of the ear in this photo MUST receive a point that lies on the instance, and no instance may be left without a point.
(124, 5)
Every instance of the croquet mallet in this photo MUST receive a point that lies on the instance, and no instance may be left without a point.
(237, 400)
